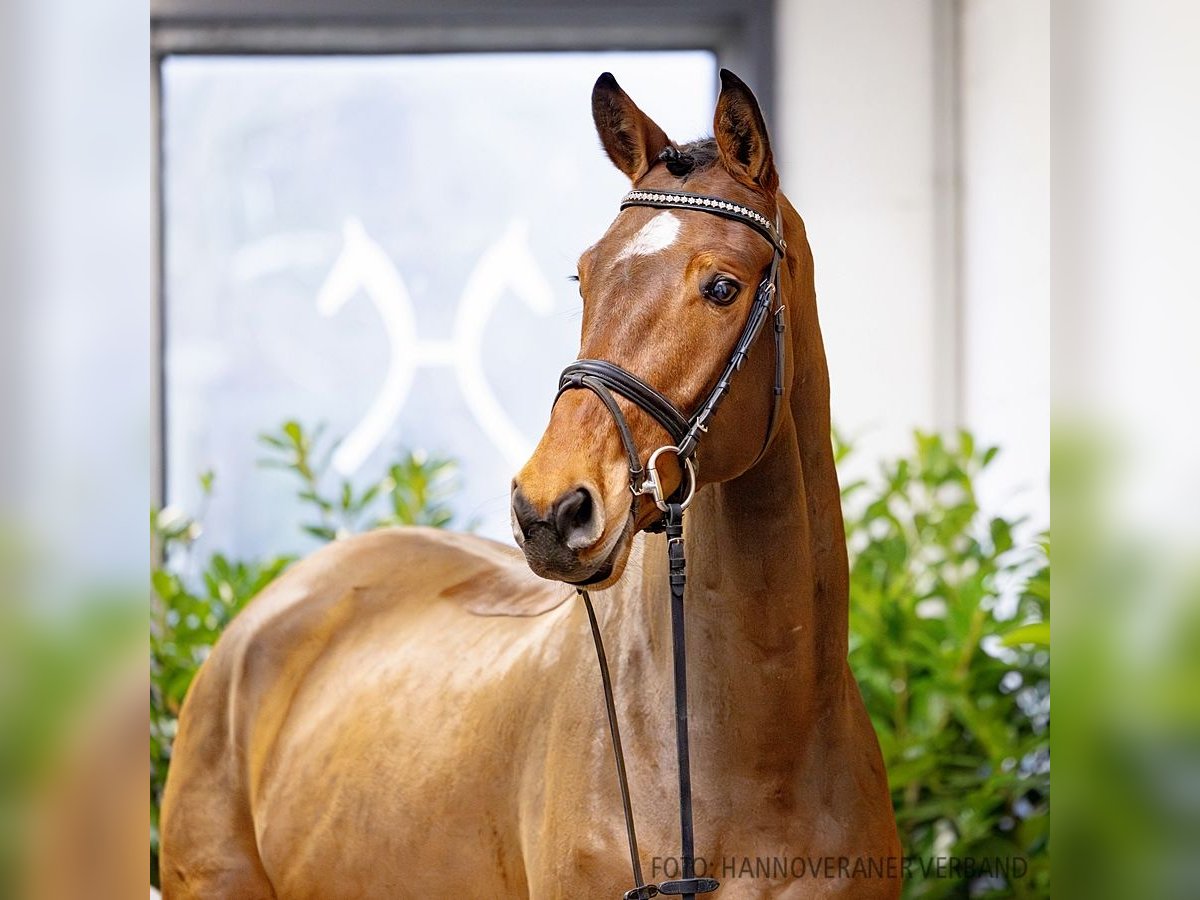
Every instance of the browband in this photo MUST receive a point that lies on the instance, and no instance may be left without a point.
(714, 205)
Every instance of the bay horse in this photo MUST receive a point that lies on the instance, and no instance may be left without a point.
(416, 713)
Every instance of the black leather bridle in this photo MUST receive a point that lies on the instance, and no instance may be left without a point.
(605, 378)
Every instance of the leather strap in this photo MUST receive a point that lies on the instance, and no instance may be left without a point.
(688, 885)
(596, 386)
(677, 577)
(760, 311)
(641, 890)
(628, 385)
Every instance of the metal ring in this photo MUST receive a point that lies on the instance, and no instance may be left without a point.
(656, 488)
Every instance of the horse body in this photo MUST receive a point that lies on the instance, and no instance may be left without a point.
(363, 732)
(413, 713)
(361, 670)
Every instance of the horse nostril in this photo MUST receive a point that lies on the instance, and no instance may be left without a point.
(523, 516)
(575, 519)
(572, 511)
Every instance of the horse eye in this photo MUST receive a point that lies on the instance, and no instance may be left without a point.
(721, 290)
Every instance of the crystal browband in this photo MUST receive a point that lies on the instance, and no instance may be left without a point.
(670, 200)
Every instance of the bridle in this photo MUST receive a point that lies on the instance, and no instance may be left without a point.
(604, 378)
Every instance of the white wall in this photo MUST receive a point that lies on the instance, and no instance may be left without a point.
(1005, 159)
(856, 144)
(913, 137)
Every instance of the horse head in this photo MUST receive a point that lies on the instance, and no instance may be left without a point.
(666, 295)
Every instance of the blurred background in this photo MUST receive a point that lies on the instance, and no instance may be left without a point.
(283, 269)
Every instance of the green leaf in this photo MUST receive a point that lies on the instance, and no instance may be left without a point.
(966, 444)
(272, 441)
(1001, 532)
(312, 497)
(164, 584)
(1037, 633)
(370, 494)
(324, 532)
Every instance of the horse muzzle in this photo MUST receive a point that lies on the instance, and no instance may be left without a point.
(566, 542)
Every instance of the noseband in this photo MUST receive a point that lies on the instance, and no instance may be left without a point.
(605, 378)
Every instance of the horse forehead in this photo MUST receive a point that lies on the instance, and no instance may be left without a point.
(653, 237)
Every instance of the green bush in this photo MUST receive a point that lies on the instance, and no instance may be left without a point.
(949, 623)
(950, 643)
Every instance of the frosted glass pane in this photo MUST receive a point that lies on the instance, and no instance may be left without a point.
(381, 244)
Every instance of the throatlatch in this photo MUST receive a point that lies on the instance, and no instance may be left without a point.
(604, 378)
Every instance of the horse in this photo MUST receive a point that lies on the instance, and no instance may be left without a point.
(416, 713)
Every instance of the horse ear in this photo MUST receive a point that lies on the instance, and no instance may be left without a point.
(630, 137)
(741, 134)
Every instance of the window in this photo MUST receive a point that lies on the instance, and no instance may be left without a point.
(381, 244)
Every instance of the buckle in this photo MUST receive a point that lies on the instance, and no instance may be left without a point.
(652, 485)
(645, 892)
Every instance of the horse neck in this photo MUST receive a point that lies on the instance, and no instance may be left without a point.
(767, 591)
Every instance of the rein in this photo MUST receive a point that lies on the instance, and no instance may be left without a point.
(604, 379)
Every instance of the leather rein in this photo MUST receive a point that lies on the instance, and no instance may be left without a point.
(604, 379)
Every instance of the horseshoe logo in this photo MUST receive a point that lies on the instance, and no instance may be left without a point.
(508, 264)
